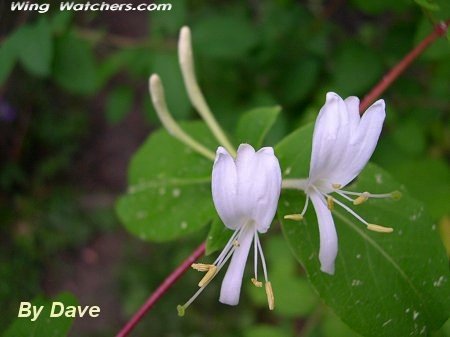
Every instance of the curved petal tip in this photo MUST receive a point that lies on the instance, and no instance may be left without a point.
(379, 104)
(332, 96)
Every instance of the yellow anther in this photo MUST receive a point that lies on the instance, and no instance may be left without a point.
(330, 202)
(362, 198)
(208, 276)
(236, 243)
(396, 195)
(256, 283)
(379, 229)
(295, 217)
(336, 186)
(269, 293)
(181, 310)
(201, 266)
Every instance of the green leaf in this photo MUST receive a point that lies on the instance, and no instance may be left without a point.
(385, 284)
(218, 236)
(264, 330)
(60, 21)
(8, 56)
(428, 4)
(163, 24)
(440, 9)
(332, 326)
(299, 80)
(439, 49)
(224, 36)
(254, 125)
(35, 47)
(119, 104)
(44, 326)
(380, 6)
(169, 192)
(129, 59)
(403, 134)
(74, 68)
(166, 65)
(427, 180)
(356, 70)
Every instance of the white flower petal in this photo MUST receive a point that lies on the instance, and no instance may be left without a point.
(224, 189)
(259, 184)
(266, 200)
(327, 231)
(352, 103)
(345, 150)
(331, 135)
(232, 282)
(368, 133)
(247, 177)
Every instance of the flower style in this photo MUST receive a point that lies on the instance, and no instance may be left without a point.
(245, 192)
(343, 143)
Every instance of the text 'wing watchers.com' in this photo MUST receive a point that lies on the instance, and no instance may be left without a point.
(88, 6)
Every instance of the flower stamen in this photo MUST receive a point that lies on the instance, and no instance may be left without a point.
(298, 217)
(342, 194)
(255, 254)
(372, 227)
(256, 283)
(361, 199)
(211, 270)
(352, 212)
(263, 260)
(379, 229)
(394, 194)
(208, 276)
(330, 202)
(201, 266)
(270, 297)
(295, 217)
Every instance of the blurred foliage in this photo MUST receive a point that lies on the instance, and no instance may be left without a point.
(248, 54)
(49, 327)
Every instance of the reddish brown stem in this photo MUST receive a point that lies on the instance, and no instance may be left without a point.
(161, 290)
(395, 72)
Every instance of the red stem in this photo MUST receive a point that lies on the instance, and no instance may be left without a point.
(392, 75)
(385, 82)
(161, 290)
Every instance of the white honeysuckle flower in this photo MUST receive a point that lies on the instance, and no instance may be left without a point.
(245, 191)
(343, 143)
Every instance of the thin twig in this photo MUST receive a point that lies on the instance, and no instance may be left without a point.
(161, 290)
(395, 72)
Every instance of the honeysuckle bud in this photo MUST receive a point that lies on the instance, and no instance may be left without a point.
(343, 143)
(245, 192)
